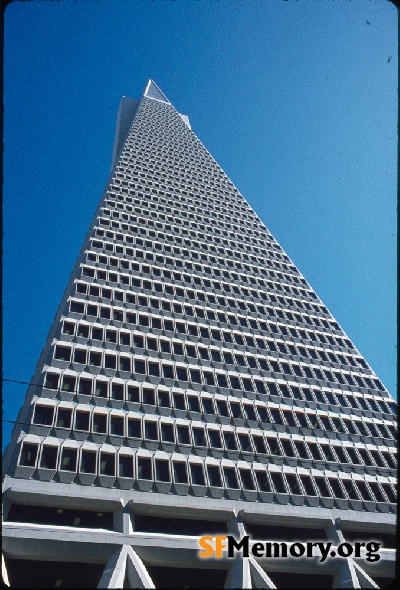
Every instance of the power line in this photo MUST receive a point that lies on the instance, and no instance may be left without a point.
(20, 382)
(16, 422)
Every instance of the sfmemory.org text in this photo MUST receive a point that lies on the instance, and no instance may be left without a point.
(214, 546)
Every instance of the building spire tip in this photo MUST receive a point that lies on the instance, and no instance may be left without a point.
(153, 91)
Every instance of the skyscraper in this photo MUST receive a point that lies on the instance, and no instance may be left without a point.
(193, 384)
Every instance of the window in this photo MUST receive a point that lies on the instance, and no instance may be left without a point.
(214, 475)
(322, 487)
(247, 479)
(315, 452)
(124, 364)
(62, 353)
(183, 435)
(278, 482)
(197, 474)
(150, 430)
(117, 391)
(163, 399)
(117, 426)
(82, 421)
(273, 445)
(180, 474)
(95, 358)
(88, 462)
(167, 433)
(51, 381)
(287, 448)
(97, 333)
(68, 460)
(162, 470)
(134, 428)
(307, 485)
(215, 439)
(293, 483)
(377, 491)
(64, 417)
(124, 338)
(125, 466)
(43, 415)
(100, 423)
(110, 361)
(230, 478)
(193, 403)
(168, 371)
(209, 378)
(107, 464)
(101, 388)
(144, 468)
(207, 405)
(195, 376)
(244, 442)
(28, 455)
(49, 457)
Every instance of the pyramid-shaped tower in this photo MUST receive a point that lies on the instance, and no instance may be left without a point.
(193, 384)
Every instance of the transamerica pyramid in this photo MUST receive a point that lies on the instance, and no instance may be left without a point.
(193, 384)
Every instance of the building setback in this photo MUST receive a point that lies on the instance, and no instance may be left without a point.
(193, 384)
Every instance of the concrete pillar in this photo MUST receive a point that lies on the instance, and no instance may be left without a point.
(4, 574)
(114, 572)
(236, 525)
(345, 576)
(334, 532)
(363, 577)
(239, 573)
(258, 576)
(120, 519)
(138, 576)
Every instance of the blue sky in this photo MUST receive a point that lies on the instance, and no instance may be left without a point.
(296, 100)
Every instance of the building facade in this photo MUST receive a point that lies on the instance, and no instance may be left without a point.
(193, 384)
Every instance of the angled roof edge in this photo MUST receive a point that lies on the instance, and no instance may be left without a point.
(153, 91)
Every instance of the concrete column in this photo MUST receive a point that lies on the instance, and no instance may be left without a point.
(138, 576)
(239, 573)
(124, 565)
(4, 574)
(258, 576)
(334, 532)
(114, 572)
(120, 519)
(6, 506)
(345, 576)
(236, 525)
(363, 577)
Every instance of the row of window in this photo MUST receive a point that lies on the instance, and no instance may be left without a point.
(246, 279)
(120, 207)
(202, 331)
(196, 375)
(231, 242)
(226, 440)
(207, 298)
(276, 389)
(113, 336)
(224, 408)
(201, 474)
(224, 219)
(166, 264)
(227, 244)
(248, 264)
(183, 177)
(181, 171)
